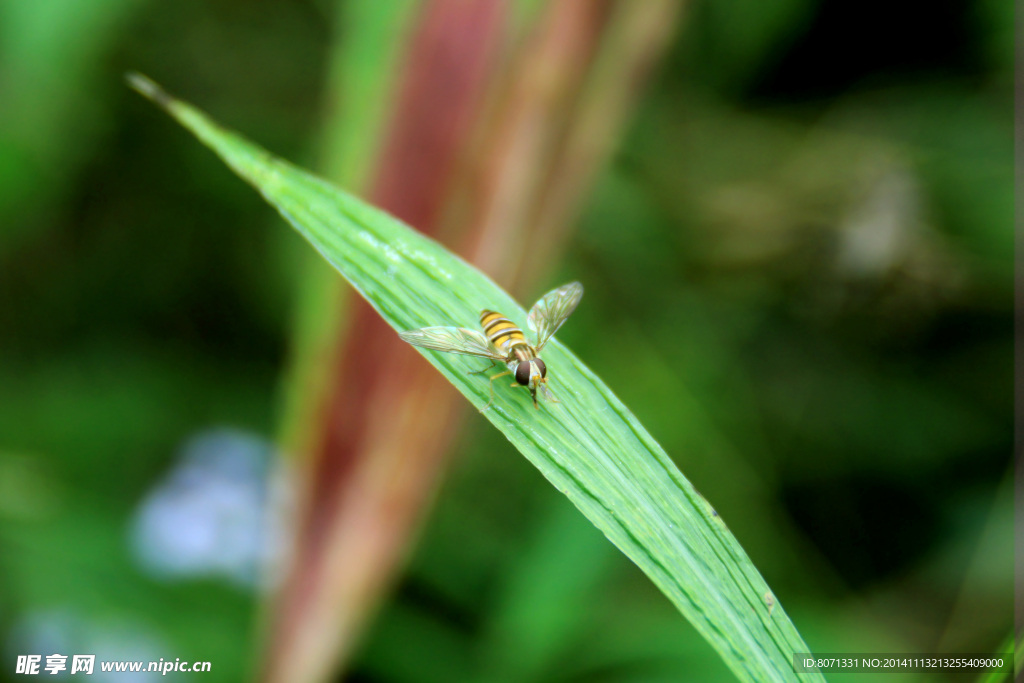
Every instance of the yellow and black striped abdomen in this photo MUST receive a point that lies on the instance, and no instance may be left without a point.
(502, 332)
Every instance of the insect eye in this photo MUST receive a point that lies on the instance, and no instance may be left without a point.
(543, 368)
(523, 373)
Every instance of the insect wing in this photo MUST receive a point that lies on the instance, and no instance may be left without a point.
(548, 314)
(452, 340)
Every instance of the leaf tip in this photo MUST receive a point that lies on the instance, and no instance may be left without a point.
(148, 88)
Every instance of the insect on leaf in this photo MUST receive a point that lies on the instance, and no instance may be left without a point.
(589, 446)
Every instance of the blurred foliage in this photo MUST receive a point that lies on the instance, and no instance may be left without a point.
(799, 278)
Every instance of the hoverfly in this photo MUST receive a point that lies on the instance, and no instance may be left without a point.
(506, 343)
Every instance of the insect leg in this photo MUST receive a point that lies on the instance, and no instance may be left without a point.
(478, 372)
(507, 372)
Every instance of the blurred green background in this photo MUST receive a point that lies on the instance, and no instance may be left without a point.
(799, 277)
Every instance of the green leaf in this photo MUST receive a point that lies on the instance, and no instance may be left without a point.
(589, 445)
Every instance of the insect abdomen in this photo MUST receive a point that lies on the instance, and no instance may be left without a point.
(502, 332)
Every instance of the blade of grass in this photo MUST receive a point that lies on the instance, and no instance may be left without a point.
(589, 446)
